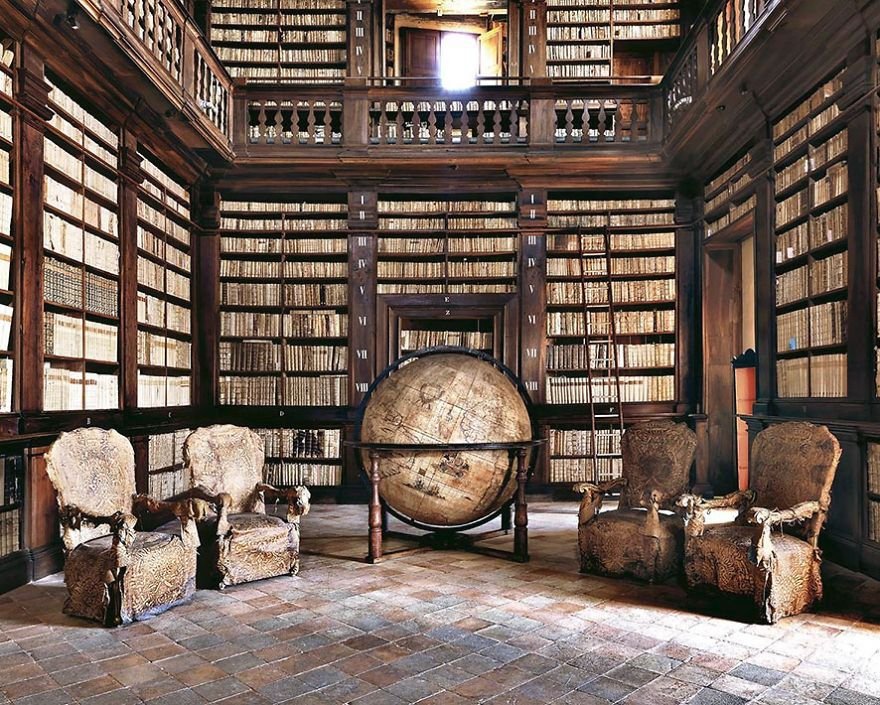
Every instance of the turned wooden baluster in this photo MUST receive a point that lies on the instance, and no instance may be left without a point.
(465, 125)
(432, 122)
(398, 125)
(568, 136)
(447, 123)
(416, 125)
(496, 124)
(328, 124)
(383, 123)
(310, 123)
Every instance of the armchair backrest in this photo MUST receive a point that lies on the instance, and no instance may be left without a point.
(92, 469)
(657, 457)
(794, 462)
(226, 458)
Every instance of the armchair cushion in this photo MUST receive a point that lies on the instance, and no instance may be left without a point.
(616, 543)
(159, 574)
(724, 557)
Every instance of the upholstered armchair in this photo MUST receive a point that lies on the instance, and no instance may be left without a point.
(641, 538)
(792, 468)
(114, 573)
(241, 542)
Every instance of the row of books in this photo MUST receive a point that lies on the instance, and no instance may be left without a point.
(578, 52)
(798, 138)
(5, 266)
(738, 210)
(265, 355)
(442, 206)
(5, 214)
(299, 324)
(79, 137)
(327, 390)
(68, 336)
(606, 205)
(419, 339)
(832, 185)
(156, 246)
(449, 222)
(815, 101)
(601, 355)
(298, 443)
(293, 474)
(165, 450)
(280, 224)
(873, 533)
(569, 323)
(58, 98)
(327, 6)
(6, 371)
(643, 388)
(818, 231)
(728, 174)
(570, 242)
(6, 313)
(169, 483)
(815, 326)
(574, 266)
(577, 33)
(293, 208)
(310, 55)
(614, 220)
(447, 243)
(270, 245)
(283, 73)
(291, 269)
(816, 376)
(65, 238)
(162, 351)
(163, 186)
(275, 35)
(577, 442)
(596, 292)
(160, 221)
(451, 268)
(65, 389)
(583, 70)
(571, 470)
(415, 288)
(162, 390)
(577, 17)
(792, 208)
(80, 207)
(873, 466)
(647, 31)
(77, 168)
(10, 531)
(157, 312)
(249, 294)
(818, 277)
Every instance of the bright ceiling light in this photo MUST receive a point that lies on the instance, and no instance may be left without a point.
(459, 61)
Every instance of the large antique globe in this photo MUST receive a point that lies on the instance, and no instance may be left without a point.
(439, 398)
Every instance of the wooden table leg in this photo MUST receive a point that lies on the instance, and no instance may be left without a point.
(521, 518)
(375, 521)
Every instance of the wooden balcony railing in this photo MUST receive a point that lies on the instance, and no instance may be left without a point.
(487, 117)
(165, 43)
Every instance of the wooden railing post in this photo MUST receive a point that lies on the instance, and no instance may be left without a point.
(542, 114)
(355, 113)
(360, 38)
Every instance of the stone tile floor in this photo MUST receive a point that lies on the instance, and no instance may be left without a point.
(443, 628)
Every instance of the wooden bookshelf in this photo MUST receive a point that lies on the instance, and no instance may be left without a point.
(11, 502)
(729, 196)
(284, 303)
(872, 487)
(7, 240)
(585, 40)
(166, 476)
(281, 40)
(460, 246)
(303, 456)
(810, 163)
(81, 261)
(164, 272)
(642, 255)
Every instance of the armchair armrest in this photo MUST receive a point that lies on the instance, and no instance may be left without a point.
(296, 498)
(121, 527)
(180, 506)
(221, 501)
(693, 508)
(593, 496)
(766, 519)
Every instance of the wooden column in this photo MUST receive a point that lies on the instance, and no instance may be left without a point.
(765, 279)
(360, 38)
(533, 38)
(206, 301)
(363, 219)
(686, 296)
(533, 295)
(41, 517)
(376, 517)
(33, 94)
(130, 166)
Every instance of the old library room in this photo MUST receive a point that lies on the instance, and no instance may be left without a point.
(388, 352)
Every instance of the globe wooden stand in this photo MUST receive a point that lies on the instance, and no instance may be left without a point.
(450, 537)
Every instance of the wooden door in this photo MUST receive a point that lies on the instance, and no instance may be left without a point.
(492, 53)
(421, 52)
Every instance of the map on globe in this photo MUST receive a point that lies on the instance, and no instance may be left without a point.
(439, 399)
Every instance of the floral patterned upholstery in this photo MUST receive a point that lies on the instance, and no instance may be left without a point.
(792, 468)
(240, 541)
(115, 574)
(642, 538)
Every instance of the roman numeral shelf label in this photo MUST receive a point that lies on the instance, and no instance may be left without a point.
(359, 42)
